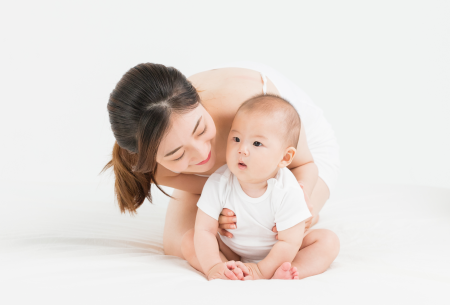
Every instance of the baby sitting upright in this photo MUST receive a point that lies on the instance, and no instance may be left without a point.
(259, 188)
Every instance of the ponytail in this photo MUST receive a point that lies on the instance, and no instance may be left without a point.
(131, 188)
(139, 110)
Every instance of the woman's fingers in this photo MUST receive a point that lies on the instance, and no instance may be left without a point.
(225, 233)
(227, 212)
(274, 230)
(227, 226)
(227, 219)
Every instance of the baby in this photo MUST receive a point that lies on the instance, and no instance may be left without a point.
(259, 188)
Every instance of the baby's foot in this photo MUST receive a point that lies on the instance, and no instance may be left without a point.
(285, 272)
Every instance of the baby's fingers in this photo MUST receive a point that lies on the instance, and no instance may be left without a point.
(243, 268)
(238, 272)
(230, 274)
(231, 265)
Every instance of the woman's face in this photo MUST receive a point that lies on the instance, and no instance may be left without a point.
(187, 145)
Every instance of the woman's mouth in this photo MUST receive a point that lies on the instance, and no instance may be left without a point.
(204, 161)
(242, 165)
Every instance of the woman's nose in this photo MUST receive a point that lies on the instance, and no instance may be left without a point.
(201, 153)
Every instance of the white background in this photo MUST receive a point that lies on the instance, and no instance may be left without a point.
(380, 70)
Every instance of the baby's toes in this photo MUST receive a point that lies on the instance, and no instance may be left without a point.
(294, 273)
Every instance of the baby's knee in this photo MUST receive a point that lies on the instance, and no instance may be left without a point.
(187, 244)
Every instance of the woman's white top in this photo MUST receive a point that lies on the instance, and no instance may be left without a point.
(283, 204)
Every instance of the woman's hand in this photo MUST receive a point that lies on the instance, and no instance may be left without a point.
(227, 220)
(308, 221)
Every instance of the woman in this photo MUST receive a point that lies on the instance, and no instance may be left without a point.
(172, 131)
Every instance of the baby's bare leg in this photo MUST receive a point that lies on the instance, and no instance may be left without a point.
(319, 249)
(188, 250)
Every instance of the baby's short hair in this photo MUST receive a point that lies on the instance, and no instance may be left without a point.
(283, 113)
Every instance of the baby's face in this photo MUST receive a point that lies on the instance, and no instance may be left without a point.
(255, 147)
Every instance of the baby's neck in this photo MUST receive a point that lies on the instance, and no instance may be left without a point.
(254, 190)
(257, 188)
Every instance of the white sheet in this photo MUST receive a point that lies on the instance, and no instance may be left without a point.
(68, 244)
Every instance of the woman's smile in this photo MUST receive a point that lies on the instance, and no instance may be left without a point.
(206, 160)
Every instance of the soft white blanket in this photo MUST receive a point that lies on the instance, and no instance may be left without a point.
(70, 245)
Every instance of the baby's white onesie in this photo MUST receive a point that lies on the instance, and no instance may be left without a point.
(283, 204)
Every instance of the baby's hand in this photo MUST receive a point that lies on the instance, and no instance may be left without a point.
(227, 271)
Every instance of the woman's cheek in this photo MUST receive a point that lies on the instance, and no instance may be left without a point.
(212, 133)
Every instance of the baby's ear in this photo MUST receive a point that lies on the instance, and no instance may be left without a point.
(288, 157)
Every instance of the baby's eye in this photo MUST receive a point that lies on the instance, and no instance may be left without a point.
(236, 139)
(256, 143)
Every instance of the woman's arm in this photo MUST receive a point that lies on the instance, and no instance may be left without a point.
(303, 166)
(193, 184)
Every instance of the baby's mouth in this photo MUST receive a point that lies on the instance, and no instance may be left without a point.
(242, 165)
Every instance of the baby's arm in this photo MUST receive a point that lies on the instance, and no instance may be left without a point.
(285, 250)
(205, 242)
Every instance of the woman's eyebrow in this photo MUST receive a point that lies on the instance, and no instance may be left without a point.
(176, 149)
(173, 151)
(196, 125)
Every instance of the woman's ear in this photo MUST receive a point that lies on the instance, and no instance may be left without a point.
(289, 154)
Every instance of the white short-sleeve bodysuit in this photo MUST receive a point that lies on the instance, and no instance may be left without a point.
(283, 203)
(319, 133)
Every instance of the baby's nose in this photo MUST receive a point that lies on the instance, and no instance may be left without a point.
(243, 151)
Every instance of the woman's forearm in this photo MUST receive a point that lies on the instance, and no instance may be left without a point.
(307, 174)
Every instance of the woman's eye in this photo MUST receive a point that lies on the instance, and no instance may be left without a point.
(256, 143)
(236, 139)
(179, 157)
(204, 130)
